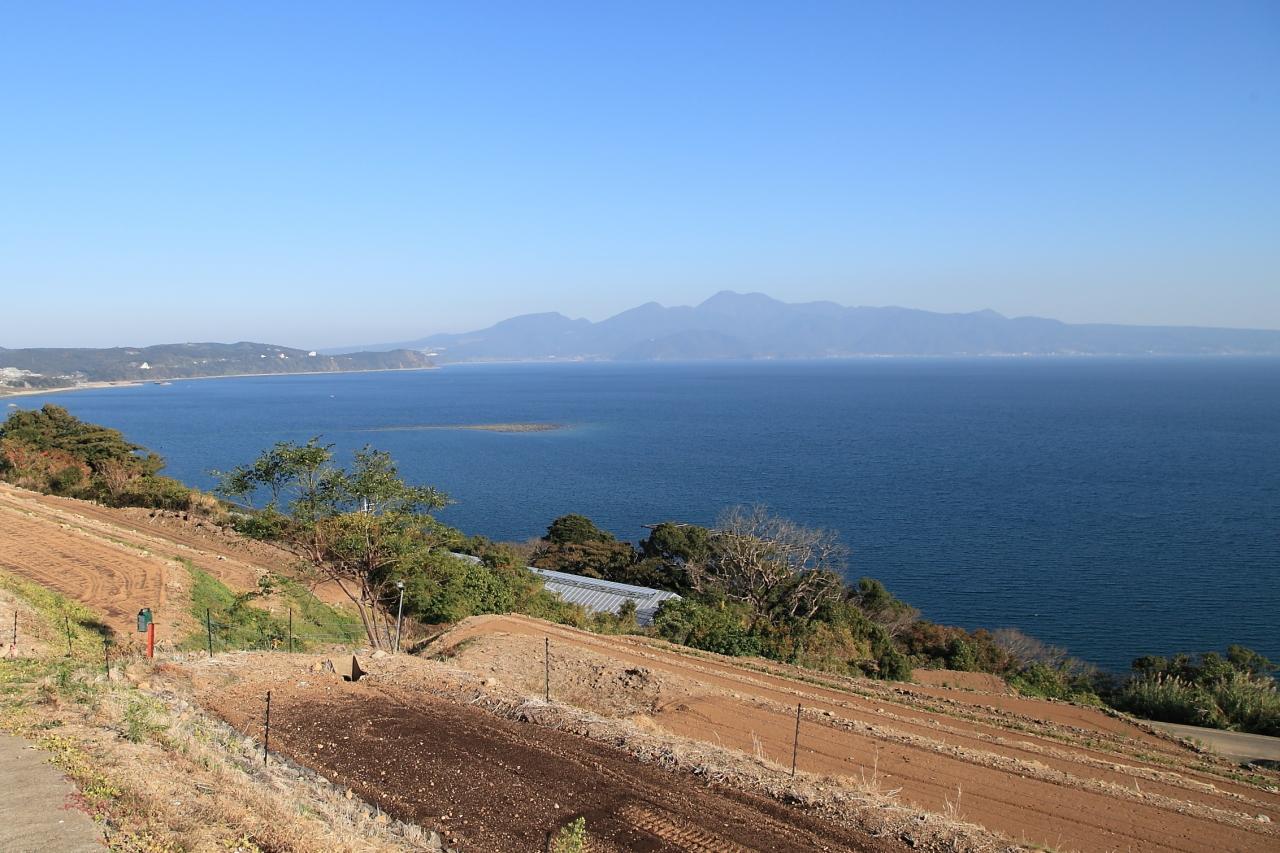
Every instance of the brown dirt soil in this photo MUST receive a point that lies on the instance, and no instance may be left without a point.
(1040, 772)
(981, 682)
(114, 578)
(62, 538)
(489, 783)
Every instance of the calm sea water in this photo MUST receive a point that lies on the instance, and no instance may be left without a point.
(1117, 507)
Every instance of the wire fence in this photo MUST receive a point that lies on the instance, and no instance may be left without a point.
(793, 738)
(811, 742)
(226, 631)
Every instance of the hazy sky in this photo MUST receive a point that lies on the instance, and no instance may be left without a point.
(323, 173)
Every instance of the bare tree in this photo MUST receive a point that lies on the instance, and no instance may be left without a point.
(116, 475)
(775, 565)
(1027, 650)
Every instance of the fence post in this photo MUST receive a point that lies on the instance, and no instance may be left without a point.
(106, 654)
(795, 746)
(208, 624)
(266, 729)
(291, 629)
(547, 673)
(67, 622)
(15, 628)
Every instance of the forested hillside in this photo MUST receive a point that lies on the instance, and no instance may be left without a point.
(64, 367)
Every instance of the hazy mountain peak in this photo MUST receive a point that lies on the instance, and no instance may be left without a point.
(731, 298)
(545, 319)
(755, 325)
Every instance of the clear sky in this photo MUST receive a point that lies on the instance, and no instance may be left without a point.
(330, 173)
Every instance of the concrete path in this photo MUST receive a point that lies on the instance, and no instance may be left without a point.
(36, 811)
(1237, 746)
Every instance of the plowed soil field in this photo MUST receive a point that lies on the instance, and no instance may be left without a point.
(489, 783)
(1038, 772)
(112, 576)
(118, 561)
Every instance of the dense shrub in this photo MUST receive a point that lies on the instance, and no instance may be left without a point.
(1232, 691)
(1055, 682)
(158, 493)
(575, 529)
(948, 647)
(440, 587)
(266, 525)
(715, 627)
(50, 450)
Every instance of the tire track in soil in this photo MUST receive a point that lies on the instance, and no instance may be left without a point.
(99, 574)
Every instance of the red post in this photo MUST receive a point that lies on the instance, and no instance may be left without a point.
(151, 639)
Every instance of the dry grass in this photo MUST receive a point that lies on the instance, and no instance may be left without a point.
(205, 787)
(160, 775)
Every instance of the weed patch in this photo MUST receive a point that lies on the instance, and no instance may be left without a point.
(237, 623)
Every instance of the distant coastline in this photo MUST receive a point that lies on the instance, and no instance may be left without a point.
(6, 393)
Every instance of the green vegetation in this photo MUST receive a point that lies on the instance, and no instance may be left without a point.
(49, 450)
(754, 585)
(239, 624)
(1232, 691)
(367, 530)
(572, 837)
(64, 616)
(139, 719)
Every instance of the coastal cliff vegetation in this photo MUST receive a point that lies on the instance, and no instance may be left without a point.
(50, 450)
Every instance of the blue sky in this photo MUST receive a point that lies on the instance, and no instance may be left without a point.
(323, 173)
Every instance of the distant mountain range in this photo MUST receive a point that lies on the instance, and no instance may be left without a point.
(752, 325)
(22, 369)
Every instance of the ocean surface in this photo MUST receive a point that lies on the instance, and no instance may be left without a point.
(1116, 507)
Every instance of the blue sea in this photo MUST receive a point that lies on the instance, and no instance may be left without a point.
(1115, 507)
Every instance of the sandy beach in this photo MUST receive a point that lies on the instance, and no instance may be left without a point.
(128, 383)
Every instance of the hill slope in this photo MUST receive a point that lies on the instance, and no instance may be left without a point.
(891, 758)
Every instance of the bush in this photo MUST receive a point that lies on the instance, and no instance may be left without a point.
(440, 587)
(609, 560)
(948, 647)
(576, 530)
(1054, 682)
(266, 525)
(890, 663)
(716, 628)
(157, 493)
(1235, 691)
(1171, 699)
(1250, 703)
